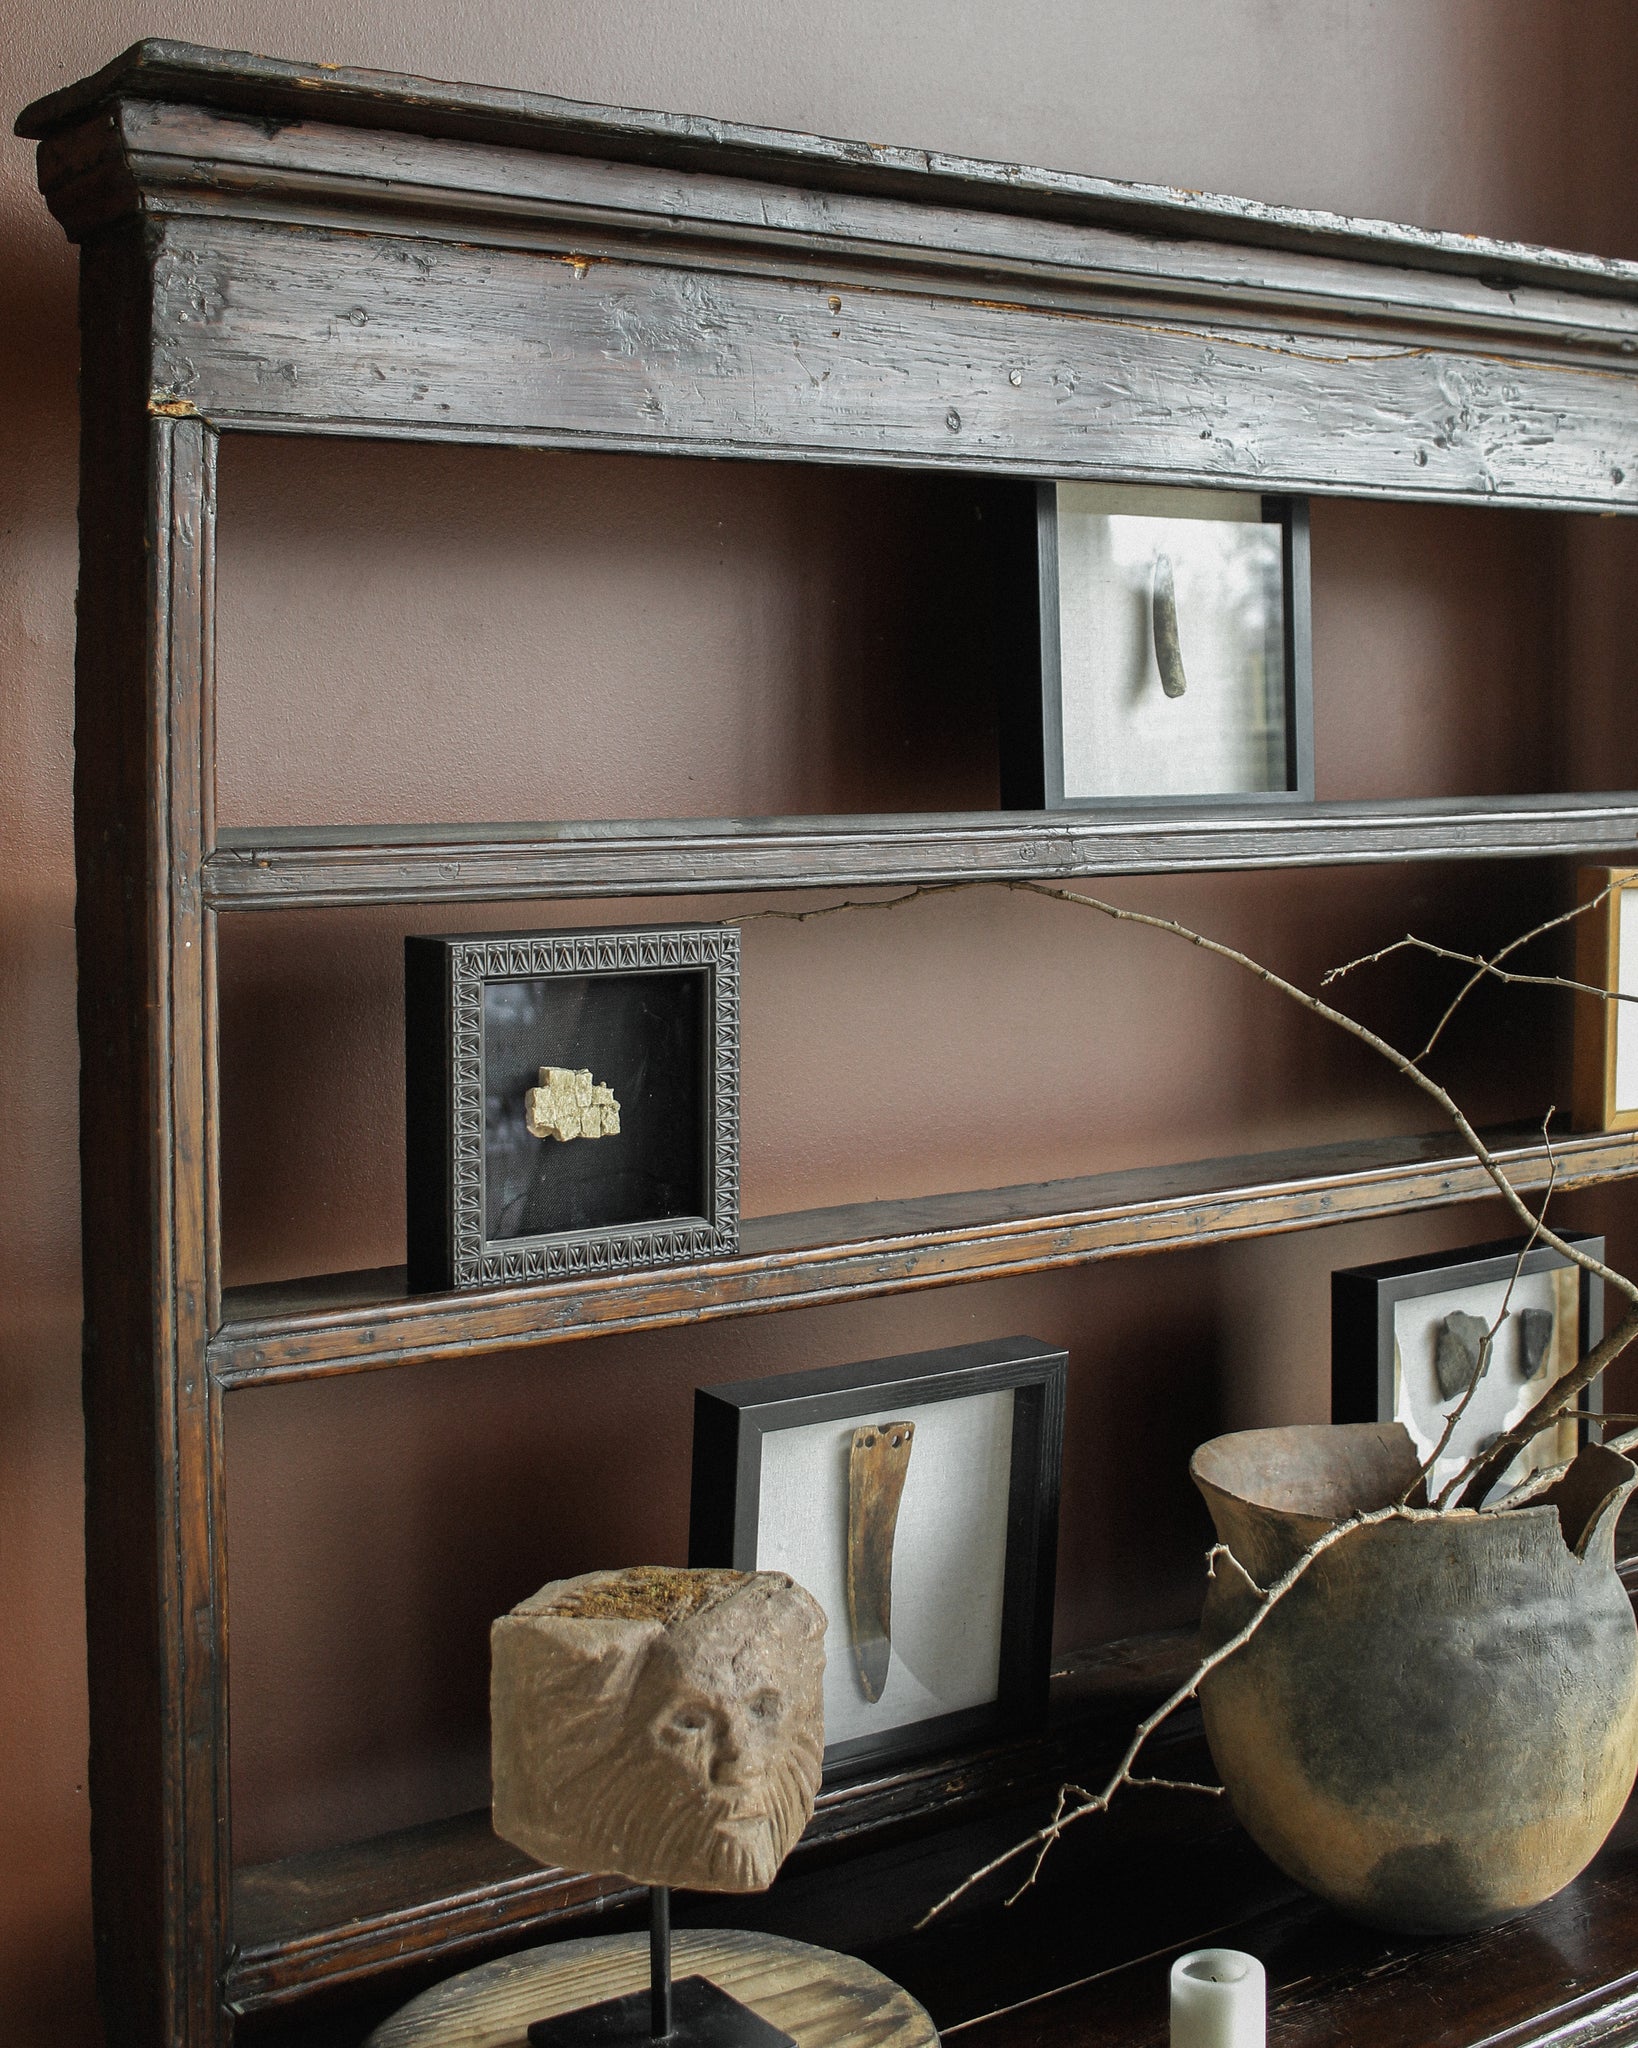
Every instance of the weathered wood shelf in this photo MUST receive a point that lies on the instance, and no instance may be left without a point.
(451, 1885)
(298, 867)
(295, 249)
(351, 1321)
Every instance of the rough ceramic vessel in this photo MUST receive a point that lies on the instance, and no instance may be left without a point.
(1438, 1725)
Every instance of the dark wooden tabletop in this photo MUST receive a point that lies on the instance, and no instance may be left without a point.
(1084, 1957)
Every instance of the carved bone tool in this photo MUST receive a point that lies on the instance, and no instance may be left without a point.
(876, 1467)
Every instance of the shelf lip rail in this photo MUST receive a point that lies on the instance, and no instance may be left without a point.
(312, 867)
(167, 73)
(359, 1322)
(339, 1915)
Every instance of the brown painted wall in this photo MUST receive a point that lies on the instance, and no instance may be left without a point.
(744, 640)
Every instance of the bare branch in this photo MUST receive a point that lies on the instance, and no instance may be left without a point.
(1552, 1406)
(1268, 1598)
(1075, 1802)
(1399, 1061)
(1485, 965)
(1488, 1348)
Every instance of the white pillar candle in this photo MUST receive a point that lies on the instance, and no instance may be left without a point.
(1219, 2000)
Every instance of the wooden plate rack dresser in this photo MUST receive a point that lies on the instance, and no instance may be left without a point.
(274, 248)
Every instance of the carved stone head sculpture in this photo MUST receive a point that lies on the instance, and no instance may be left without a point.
(664, 1726)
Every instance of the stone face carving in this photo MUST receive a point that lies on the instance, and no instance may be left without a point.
(878, 1460)
(663, 1726)
(570, 1104)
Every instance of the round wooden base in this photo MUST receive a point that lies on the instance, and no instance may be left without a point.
(821, 1999)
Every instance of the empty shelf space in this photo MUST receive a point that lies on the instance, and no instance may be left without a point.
(450, 1885)
(308, 866)
(352, 1321)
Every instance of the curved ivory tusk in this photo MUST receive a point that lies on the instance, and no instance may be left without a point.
(1163, 608)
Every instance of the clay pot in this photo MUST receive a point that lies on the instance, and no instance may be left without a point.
(1438, 1725)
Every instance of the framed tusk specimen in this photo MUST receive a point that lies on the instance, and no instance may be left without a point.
(1163, 619)
(1109, 586)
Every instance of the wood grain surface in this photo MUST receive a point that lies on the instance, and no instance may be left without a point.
(820, 1998)
(350, 1322)
(280, 247)
(294, 867)
(165, 74)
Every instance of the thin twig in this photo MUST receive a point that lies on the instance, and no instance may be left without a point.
(1401, 1062)
(1551, 1408)
(1487, 1350)
(1098, 1802)
(1548, 1408)
(1481, 1472)
(1485, 965)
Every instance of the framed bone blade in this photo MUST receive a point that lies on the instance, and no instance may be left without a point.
(877, 1464)
(917, 1500)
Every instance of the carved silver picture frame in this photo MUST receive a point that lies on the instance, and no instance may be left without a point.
(646, 1021)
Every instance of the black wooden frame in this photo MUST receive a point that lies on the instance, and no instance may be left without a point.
(1363, 1299)
(278, 247)
(1040, 732)
(445, 1087)
(733, 1422)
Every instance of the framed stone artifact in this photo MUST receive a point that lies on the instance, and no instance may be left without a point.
(1408, 1339)
(1174, 651)
(917, 1500)
(571, 1102)
(1604, 1090)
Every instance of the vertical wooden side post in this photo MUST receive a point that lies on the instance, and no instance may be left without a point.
(154, 1563)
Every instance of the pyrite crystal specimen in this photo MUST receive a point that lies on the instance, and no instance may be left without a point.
(570, 1104)
(660, 1725)
(878, 1460)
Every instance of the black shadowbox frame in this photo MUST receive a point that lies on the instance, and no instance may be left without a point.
(1363, 1300)
(732, 1427)
(654, 1011)
(1024, 523)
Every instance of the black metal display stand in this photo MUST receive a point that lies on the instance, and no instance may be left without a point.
(694, 2013)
